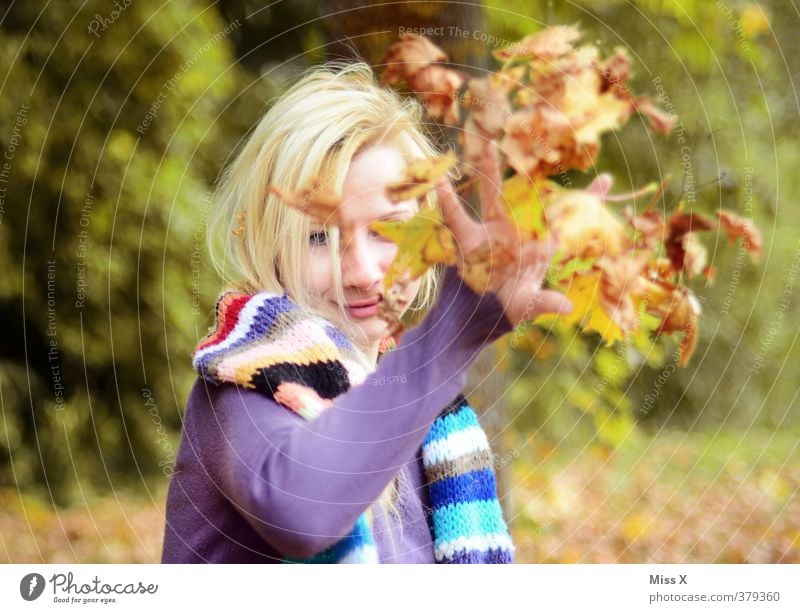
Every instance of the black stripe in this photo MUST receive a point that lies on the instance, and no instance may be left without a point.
(455, 404)
(328, 379)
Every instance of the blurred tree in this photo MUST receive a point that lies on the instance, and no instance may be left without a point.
(111, 121)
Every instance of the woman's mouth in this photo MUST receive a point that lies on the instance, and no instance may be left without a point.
(363, 308)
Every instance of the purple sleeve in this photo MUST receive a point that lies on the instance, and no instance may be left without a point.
(302, 484)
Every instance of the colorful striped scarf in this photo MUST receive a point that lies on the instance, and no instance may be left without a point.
(266, 342)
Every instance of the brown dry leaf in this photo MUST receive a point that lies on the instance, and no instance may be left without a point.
(476, 267)
(660, 121)
(649, 227)
(615, 71)
(391, 307)
(737, 226)
(678, 310)
(681, 224)
(407, 56)
(586, 227)
(623, 279)
(420, 177)
(547, 44)
(439, 87)
(315, 199)
(488, 103)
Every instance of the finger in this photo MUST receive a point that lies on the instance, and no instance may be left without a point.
(455, 216)
(535, 253)
(555, 302)
(491, 182)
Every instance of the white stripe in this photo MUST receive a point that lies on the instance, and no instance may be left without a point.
(482, 543)
(457, 444)
(242, 327)
(366, 554)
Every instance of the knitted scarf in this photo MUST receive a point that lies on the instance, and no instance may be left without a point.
(266, 342)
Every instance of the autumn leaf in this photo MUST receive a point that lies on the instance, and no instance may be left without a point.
(439, 87)
(586, 227)
(584, 292)
(683, 249)
(547, 44)
(423, 241)
(410, 54)
(315, 199)
(660, 121)
(416, 60)
(522, 200)
(477, 266)
(737, 226)
(420, 177)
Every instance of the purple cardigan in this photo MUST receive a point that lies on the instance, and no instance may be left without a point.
(254, 482)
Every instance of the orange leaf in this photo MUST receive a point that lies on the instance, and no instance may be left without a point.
(420, 177)
(737, 226)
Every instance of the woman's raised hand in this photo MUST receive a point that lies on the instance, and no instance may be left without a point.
(516, 281)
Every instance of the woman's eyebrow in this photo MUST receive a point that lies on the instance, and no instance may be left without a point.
(398, 213)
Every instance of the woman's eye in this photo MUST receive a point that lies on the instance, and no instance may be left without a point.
(380, 237)
(318, 238)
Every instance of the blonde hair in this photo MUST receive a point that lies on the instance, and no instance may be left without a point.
(312, 131)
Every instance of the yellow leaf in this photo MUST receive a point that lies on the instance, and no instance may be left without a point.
(635, 526)
(522, 200)
(420, 177)
(422, 242)
(583, 290)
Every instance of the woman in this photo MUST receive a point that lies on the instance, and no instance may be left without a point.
(311, 435)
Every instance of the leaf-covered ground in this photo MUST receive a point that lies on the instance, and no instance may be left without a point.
(696, 498)
(732, 497)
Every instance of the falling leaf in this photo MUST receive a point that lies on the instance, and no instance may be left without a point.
(549, 43)
(583, 290)
(737, 226)
(439, 87)
(622, 283)
(680, 225)
(522, 200)
(660, 121)
(315, 199)
(615, 71)
(420, 177)
(477, 266)
(423, 241)
(586, 227)
(410, 54)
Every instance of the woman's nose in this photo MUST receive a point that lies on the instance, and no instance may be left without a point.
(362, 261)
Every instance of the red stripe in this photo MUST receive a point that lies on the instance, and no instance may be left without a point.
(228, 309)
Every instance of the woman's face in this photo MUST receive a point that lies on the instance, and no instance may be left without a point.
(365, 255)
